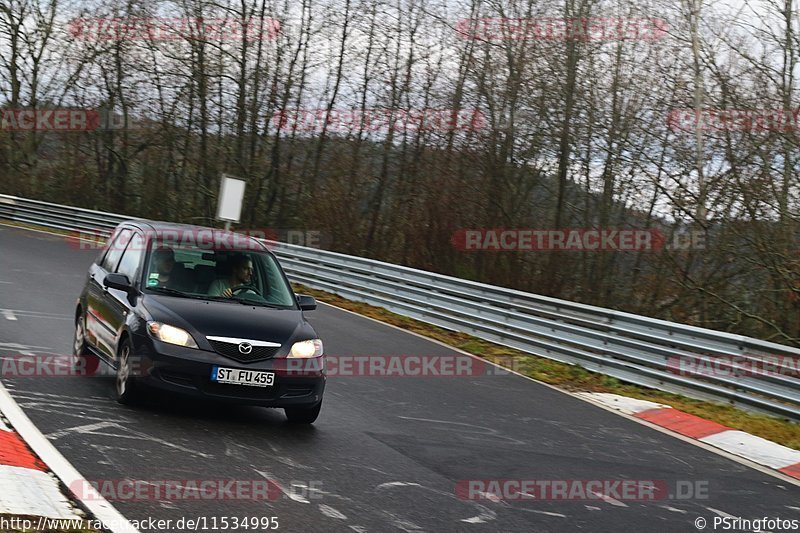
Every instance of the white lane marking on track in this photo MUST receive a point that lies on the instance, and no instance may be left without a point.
(397, 484)
(125, 433)
(720, 513)
(489, 496)
(592, 508)
(150, 438)
(34, 314)
(28, 355)
(68, 408)
(289, 494)
(793, 507)
(64, 410)
(485, 515)
(608, 499)
(550, 513)
(330, 512)
(486, 431)
(288, 461)
(21, 348)
(56, 397)
(88, 428)
(401, 523)
(378, 470)
(315, 492)
(673, 509)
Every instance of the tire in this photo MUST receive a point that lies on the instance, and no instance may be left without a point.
(84, 362)
(124, 382)
(302, 415)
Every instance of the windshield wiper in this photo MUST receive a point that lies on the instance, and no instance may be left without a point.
(234, 299)
(244, 301)
(172, 292)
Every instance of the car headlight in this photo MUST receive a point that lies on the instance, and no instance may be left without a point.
(306, 349)
(171, 334)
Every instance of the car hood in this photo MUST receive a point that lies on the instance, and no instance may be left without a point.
(204, 318)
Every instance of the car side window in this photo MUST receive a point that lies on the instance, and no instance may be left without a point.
(132, 258)
(115, 250)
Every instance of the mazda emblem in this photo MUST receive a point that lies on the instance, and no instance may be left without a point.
(245, 348)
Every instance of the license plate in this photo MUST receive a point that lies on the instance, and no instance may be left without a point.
(237, 376)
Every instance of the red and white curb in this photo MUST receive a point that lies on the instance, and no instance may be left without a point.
(26, 488)
(30, 471)
(761, 451)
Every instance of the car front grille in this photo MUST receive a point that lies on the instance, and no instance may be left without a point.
(231, 351)
(237, 391)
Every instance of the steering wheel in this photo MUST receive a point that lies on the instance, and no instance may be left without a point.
(242, 288)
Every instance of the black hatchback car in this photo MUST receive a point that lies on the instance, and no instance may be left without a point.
(201, 312)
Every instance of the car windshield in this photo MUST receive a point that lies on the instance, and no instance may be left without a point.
(239, 273)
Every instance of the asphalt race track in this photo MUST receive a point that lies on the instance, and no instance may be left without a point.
(386, 453)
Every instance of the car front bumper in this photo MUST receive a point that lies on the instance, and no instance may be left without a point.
(186, 371)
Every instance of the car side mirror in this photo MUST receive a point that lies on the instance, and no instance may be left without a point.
(119, 282)
(306, 303)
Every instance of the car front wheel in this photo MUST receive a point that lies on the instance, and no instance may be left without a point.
(84, 362)
(302, 415)
(125, 382)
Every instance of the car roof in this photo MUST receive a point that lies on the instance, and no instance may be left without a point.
(159, 228)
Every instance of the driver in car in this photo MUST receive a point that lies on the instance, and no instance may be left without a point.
(164, 260)
(241, 274)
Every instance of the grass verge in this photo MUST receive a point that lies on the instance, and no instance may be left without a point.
(575, 378)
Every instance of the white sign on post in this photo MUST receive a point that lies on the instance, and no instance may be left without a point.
(231, 194)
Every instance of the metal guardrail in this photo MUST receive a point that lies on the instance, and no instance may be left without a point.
(636, 349)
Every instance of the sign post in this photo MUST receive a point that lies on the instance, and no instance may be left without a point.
(229, 203)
